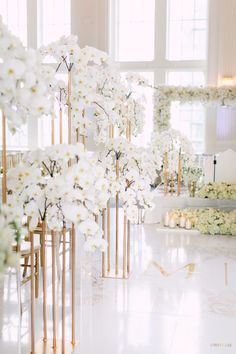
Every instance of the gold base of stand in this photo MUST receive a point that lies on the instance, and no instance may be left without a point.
(47, 347)
(112, 274)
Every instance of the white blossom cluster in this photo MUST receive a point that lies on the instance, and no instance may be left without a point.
(46, 188)
(100, 97)
(83, 64)
(218, 190)
(164, 95)
(126, 172)
(118, 103)
(10, 231)
(25, 83)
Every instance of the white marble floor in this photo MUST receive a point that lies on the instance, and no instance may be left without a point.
(180, 299)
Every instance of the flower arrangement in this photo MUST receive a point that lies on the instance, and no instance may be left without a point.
(100, 97)
(10, 232)
(164, 95)
(84, 65)
(126, 172)
(176, 146)
(117, 103)
(209, 220)
(47, 189)
(218, 190)
(26, 84)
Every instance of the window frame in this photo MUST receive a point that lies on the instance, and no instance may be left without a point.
(160, 66)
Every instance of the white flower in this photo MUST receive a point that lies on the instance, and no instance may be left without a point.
(12, 69)
(93, 244)
(75, 213)
(88, 227)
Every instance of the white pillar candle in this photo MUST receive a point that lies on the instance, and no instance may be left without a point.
(188, 225)
(172, 223)
(166, 219)
(182, 221)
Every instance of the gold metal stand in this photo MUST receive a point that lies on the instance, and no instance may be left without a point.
(104, 237)
(117, 223)
(63, 291)
(108, 236)
(32, 293)
(73, 266)
(69, 109)
(54, 302)
(128, 248)
(53, 128)
(125, 247)
(107, 267)
(48, 347)
(44, 259)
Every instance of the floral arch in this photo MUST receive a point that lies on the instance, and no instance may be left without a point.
(164, 95)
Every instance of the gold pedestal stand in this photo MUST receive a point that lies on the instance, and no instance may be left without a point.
(114, 269)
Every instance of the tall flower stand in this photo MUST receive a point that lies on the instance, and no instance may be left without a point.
(120, 238)
(57, 343)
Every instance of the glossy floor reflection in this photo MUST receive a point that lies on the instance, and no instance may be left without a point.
(180, 299)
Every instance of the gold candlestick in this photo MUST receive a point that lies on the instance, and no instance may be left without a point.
(166, 173)
(78, 135)
(4, 159)
(179, 174)
(172, 183)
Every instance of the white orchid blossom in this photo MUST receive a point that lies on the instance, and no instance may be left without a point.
(46, 188)
(26, 85)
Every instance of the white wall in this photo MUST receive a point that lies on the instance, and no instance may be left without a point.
(90, 22)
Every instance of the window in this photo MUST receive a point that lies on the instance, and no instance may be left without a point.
(14, 15)
(188, 118)
(49, 20)
(54, 20)
(167, 39)
(134, 30)
(187, 29)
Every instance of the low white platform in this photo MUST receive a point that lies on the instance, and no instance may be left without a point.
(165, 203)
